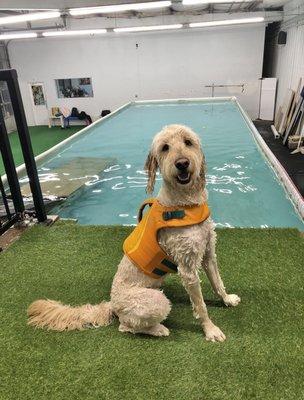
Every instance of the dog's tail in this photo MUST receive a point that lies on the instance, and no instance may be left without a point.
(56, 316)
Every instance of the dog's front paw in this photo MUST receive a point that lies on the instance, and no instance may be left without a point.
(232, 300)
(213, 333)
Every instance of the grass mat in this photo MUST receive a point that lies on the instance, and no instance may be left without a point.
(262, 357)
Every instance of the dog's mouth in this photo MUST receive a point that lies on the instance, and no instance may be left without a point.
(183, 177)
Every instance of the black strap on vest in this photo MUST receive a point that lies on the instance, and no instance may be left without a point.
(169, 264)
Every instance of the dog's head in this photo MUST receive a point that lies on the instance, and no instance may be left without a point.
(176, 151)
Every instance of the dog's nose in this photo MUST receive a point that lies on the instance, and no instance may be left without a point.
(182, 164)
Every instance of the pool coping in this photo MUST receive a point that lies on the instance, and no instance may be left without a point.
(279, 170)
(296, 197)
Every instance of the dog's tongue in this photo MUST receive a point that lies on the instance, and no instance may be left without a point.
(183, 175)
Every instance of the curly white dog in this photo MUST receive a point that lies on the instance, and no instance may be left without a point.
(135, 297)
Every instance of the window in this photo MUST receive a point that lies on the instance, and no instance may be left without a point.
(74, 87)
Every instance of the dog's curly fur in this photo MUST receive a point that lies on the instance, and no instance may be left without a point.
(135, 297)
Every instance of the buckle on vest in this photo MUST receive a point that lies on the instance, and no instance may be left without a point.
(178, 214)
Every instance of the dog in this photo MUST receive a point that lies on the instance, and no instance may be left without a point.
(136, 298)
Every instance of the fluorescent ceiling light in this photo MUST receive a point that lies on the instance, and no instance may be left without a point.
(18, 35)
(74, 33)
(226, 22)
(194, 2)
(119, 7)
(14, 19)
(148, 28)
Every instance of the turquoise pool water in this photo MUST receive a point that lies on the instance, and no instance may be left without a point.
(243, 189)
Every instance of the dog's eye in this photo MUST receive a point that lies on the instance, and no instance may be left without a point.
(188, 142)
(165, 147)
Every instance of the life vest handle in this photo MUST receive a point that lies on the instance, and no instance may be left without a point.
(148, 202)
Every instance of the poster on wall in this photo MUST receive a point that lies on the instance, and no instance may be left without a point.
(38, 95)
(74, 87)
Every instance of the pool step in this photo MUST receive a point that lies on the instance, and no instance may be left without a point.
(66, 179)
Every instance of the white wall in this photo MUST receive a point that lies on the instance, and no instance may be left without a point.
(165, 65)
(289, 58)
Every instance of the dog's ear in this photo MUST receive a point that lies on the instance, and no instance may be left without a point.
(151, 166)
(203, 171)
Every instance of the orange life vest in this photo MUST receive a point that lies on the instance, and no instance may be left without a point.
(142, 247)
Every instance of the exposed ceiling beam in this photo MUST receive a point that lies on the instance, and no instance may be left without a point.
(22, 5)
(59, 4)
(230, 8)
(254, 5)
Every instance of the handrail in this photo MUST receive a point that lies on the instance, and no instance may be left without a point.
(213, 86)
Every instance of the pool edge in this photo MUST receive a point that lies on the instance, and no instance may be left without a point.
(185, 100)
(279, 170)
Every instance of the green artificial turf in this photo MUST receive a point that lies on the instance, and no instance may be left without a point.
(262, 357)
(43, 138)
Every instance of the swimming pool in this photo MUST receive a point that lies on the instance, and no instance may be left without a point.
(101, 170)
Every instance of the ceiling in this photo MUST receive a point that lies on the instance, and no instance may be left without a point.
(254, 5)
(177, 10)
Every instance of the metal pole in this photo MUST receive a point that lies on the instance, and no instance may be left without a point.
(10, 169)
(25, 140)
(4, 198)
